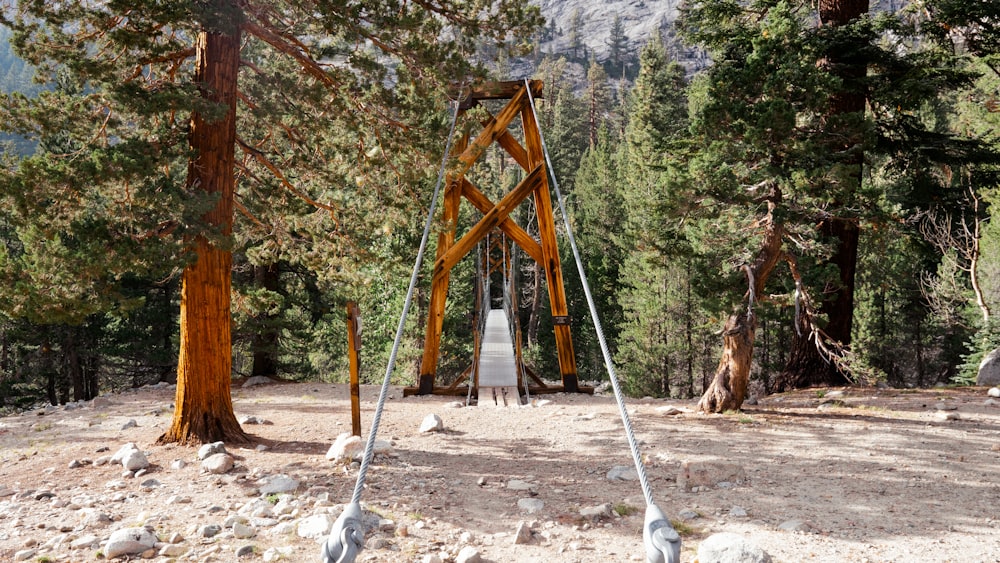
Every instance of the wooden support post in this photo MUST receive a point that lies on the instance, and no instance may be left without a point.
(550, 254)
(353, 354)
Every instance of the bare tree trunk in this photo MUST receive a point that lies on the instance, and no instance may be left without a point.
(729, 385)
(204, 408)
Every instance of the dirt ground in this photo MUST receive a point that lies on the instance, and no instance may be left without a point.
(875, 475)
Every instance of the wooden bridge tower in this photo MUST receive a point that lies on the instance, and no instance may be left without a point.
(529, 156)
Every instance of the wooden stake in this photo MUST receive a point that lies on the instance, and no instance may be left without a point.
(354, 356)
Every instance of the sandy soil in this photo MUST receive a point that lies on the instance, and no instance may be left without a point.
(875, 475)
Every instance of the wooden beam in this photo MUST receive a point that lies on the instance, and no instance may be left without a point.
(493, 129)
(504, 90)
(508, 226)
(354, 363)
(530, 184)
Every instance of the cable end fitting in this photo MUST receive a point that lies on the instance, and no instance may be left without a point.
(347, 537)
(662, 542)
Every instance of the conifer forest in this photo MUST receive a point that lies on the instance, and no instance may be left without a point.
(766, 194)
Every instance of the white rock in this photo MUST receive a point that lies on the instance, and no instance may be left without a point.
(25, 554)
(730, 548)
(431, 423)
(455, 405)
(541, 402)
(738, 512)
(431, 558)
(128, 541)
(948, 415)
(596, 512)
(316, 526)
(468, 554)
(345, 448)
(994, 392)
(622, 473)
(123, 451)
(277, 484)
(218, 463)
(530, 505)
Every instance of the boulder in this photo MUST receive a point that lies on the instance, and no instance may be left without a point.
(345, 448)
(989, 370)
(431, 423)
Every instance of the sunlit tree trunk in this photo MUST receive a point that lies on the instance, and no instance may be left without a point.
(728, 387)
(204, 409)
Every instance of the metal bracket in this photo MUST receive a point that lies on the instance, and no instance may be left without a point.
(662, 542)
(347, 537)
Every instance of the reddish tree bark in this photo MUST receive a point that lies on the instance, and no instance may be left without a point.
(204, 409)
(806, 365)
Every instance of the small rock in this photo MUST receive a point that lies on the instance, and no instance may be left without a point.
(245, 551)
(795, 526)
(209, 530)
(243, 531)
(945, 407)
(948, 415)
(178, 464)
(518, 485)
(130, 424)
(218, 464)
(738, 512)
(688, 514)
(209, 450)
(345, 448)
(277, 484)
(431, 423)
(622, 473)
(668, 411)
(257, 380)
(316, 526)
(254, 420)
(708, 474)
(523, 534)
(530, 505)
(172, 550)
(431, 558)
(595, 513)
(128, 541)
(730, 548)
(86, 541)
(277, 553)
(994, 392)
(468, 554)
(455, 405)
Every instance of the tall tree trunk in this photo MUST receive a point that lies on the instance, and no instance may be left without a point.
(71, 354)
(265, 339)
(729, 385)
(204, 408)
(806, 366)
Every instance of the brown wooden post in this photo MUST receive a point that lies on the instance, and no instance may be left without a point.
(550, 254)
(354, 359)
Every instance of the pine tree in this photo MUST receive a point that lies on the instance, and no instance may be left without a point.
(162, 84)
(782, 140)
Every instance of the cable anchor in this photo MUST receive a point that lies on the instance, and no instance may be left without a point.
(347, 537)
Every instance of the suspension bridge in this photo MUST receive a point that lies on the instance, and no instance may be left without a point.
(497, 362)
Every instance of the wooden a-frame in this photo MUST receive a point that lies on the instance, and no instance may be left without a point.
(531, 158)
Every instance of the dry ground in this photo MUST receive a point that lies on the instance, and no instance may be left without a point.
(877, 475)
